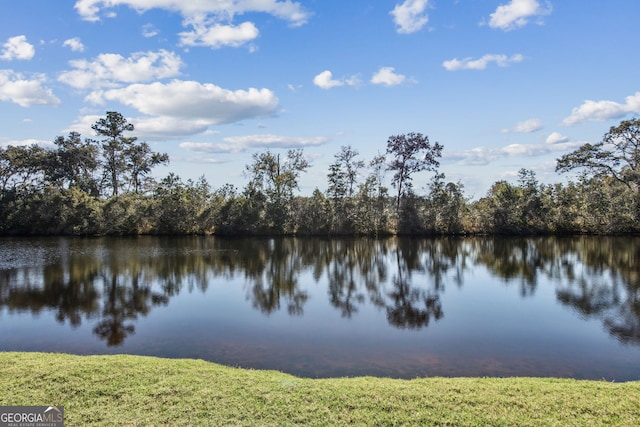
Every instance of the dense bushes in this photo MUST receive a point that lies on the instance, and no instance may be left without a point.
(177, 207)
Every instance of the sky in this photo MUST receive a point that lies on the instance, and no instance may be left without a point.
(501, 84)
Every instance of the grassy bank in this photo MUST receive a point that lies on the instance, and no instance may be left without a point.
(133, 390)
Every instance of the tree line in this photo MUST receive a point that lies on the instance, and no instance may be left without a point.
(105, 186)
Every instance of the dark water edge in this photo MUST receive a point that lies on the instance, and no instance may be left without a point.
(393, 307)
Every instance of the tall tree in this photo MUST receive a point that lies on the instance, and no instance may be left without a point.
(616, 156)
(411, 153)
(371, 215)
(114, 147)
(277, 179)
(343, 173)
(140, 161)
(73, 163)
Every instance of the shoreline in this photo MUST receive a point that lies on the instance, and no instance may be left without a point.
(144, 390)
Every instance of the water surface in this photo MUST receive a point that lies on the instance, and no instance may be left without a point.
(562, 307)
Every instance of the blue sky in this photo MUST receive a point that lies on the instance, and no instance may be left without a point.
(502, 85)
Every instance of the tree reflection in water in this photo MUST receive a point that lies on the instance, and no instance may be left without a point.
(412, 306)
(354, 267)
(278, 278)
(607, 286)
(111, 282)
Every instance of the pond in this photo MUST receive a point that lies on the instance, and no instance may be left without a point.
(396, 307)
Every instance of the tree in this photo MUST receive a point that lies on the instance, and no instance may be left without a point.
(73, 163)
(337, 188)
(22, 167)
(343, 173)
(407, 151)
(313, 214)
(445, 206)
(114, 147)
(371, 215)
(534, 215)
(140, 161)
(617, 155)
(504, 207)
(181, 208)
(277, 179)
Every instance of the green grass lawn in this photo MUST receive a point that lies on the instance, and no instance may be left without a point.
(132, 390)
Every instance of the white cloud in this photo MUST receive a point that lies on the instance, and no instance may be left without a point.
(603, 110)
(149, 30)
(83, 125)
(386, 76)
(353, 80)
(325, 80)
(204, 147)
(556, 138)
(278, 141)
(473, 156)
(25, 92)
(235, 144)
(517, 13)
(484, 155)
(180, 108)
(209, 22)
(108, 69)
(528, 126)
(410, 16)
(74, 44)
(288, 10)
(216, 35)
(17, 48)
(168, 127)
(524, 150)
(27, 143)
(481, 63)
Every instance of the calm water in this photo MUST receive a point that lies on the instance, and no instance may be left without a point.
(563, 307)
